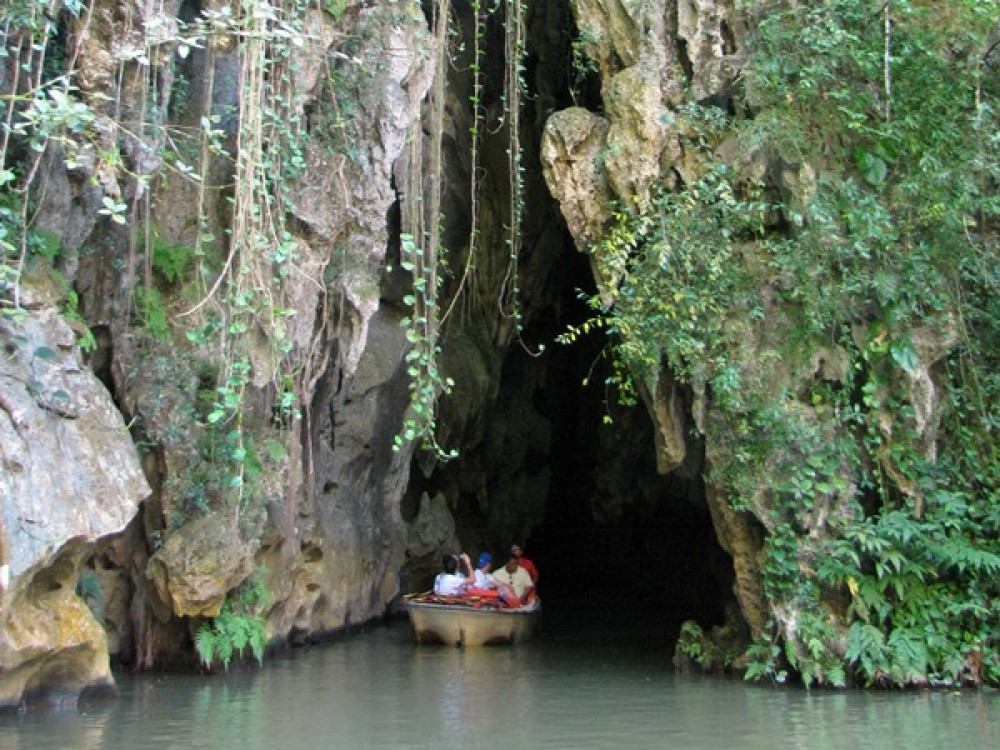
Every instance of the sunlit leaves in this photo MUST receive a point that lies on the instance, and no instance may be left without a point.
(883, 123)
(238, 626)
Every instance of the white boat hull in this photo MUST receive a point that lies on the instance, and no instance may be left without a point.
(458, 625)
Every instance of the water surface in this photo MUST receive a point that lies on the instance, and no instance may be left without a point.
(568, 689)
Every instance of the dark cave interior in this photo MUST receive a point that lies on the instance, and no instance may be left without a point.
(620, 543)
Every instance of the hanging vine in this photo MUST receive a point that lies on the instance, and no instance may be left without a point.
(514, 89)
(421, 252)
(420, 255)
(467, 279)
(240, 320)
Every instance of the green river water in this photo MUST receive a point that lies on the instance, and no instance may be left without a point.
(596, 688)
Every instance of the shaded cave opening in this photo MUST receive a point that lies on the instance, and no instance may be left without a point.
(622, 547)
(617, 543)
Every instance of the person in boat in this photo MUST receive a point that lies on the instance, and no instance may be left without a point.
(525, 563)
(484, 579)
(488, 588)
(518, 579)
(450, 582)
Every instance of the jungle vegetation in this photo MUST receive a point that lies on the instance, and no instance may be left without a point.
(880, 506)
(877, 486)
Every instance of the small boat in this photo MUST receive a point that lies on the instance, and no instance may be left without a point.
(466, 622)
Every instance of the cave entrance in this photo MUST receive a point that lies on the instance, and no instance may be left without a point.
(620, 543)
(614, 537)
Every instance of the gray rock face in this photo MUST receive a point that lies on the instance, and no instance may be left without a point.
(69, 478)
(653, 57)
(326, 525)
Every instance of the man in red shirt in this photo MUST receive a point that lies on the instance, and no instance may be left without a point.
(524, 562)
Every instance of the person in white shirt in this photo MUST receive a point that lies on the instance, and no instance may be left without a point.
(450, 582)
(513, 575)
(484, 579)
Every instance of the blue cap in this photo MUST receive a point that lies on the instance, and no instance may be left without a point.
(484, 558)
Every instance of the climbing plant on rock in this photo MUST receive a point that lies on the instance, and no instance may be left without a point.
(207, 315)
(871, 240)
(422, 254)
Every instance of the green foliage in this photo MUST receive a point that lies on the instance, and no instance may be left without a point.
(172, 261)
(152, 311)
(422, 360)
(239, 625)
(890, 238)
(695, 644)
(10, 227)
(335, 120)
(44, 246)
(765, 658)
(582, 63)
(922, 593)
(227, 459)
(276, 452)
(515, 91)
(71, 311)
(335, 8)
(676, 270)
(574, 332)
(244, 293)
(884, 241)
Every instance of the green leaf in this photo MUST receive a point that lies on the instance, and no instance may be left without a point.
(275, 449)
(204, 643)
(905, 356)
(873, 168)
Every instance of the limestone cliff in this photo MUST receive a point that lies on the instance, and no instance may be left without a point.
(70, 481)
(220, 196)
(301, 485)
(246, 246)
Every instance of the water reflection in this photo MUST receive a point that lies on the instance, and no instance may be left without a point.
(563, 691)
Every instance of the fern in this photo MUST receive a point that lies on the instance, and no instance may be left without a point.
(172, 261)
(204, 643)
(909, 660)
(239, 633)
(237, 627)
(867, 649)
(258, 640)
(958, 553)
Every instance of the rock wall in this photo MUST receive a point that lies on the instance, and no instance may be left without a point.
(334, 520)
(70, 480)
(658, 62)
(319, 520)
(652, 57)
(324, 525)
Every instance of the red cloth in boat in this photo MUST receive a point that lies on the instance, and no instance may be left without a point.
(475, 598)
